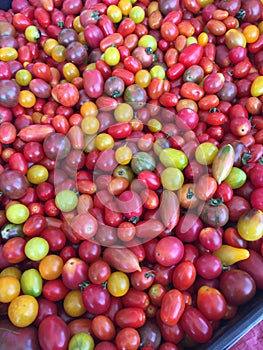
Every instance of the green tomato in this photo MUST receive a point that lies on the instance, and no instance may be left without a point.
(17, 213)
(123, 171)
(142, 161)
(112, 56)
(157, 72)
(172, 179)
(81, 341)
(66, 200)
(36, 248)
(31, 282)
(137, 14)
(23, 77)
(174, 158)
(32, 34)
(205, 153)
(148, 41)
(236, 178)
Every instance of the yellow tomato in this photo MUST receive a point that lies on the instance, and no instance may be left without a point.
(49, 45)
(250, 225)
(123, 113)
(73, 304)
(23, 310)
(37, 174)
(172, 179)
(112, 56)
(11, 271)
(123, 155)
(202, 39)
(235, 38)
(70, 71)
(118, 284)
(125, 6)
(90, 125)
(251, 33)
(206, 153)
(143, 78)
(89, 109)
(114, 13)
(104, 141)
(8, 54)
(9, 289)
(17, 213)
(257, 87)
(27, 99)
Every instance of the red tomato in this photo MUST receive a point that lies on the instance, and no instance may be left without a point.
(195, 325)
(184, 275)
(74, 272)
(172, 307)
(130, 317)
(60, 333)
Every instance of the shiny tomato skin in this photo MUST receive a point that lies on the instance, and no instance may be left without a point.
(211, 302)
(96, 299)
(184, 275)
(54, 290)
(169, 251)
(60, 333)
(237, 286)
(136, 298)
(191, 55)
(195, 325)
(172, 307)
(74, 272)
(130, 317)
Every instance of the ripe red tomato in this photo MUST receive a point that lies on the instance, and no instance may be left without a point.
(74, 272)
(60, 333)
(172, 307)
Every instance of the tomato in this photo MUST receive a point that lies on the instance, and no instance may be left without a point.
(188, 228)
(208, 266)
(118, 284)
(13, 250)
(103, 328)
(206, 187)
(66, 200)
(17, 213)
(184, 275)
(195, 325)
(60, 331)
(10, 288)
(127, 338)
(73, 304)
(210, 238)
(22, 311)
(54, 290)
(173, 158)
(74, 272)
(82, 341)
(172, 307)
(96, 298)
(242, 289)
(50, 267)
(31, 282)
(171, 256)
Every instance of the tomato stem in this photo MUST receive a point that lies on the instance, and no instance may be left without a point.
(215, 202)
(245, 156)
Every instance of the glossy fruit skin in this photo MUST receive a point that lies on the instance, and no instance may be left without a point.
(22, 311)
(96, 299)
(24, 337)
(211, 303)
(172, 307)
(169, 256)
(242, 289)
(59, 330)
(196, 325)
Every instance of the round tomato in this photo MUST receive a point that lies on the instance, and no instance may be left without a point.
(118, 284)
(22, 311)
(9, 288)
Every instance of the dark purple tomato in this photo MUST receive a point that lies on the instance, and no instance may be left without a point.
(13, 184)
(56, 146)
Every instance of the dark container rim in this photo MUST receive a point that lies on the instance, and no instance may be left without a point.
(248, 316)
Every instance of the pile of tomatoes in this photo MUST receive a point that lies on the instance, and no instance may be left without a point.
(131, 171)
